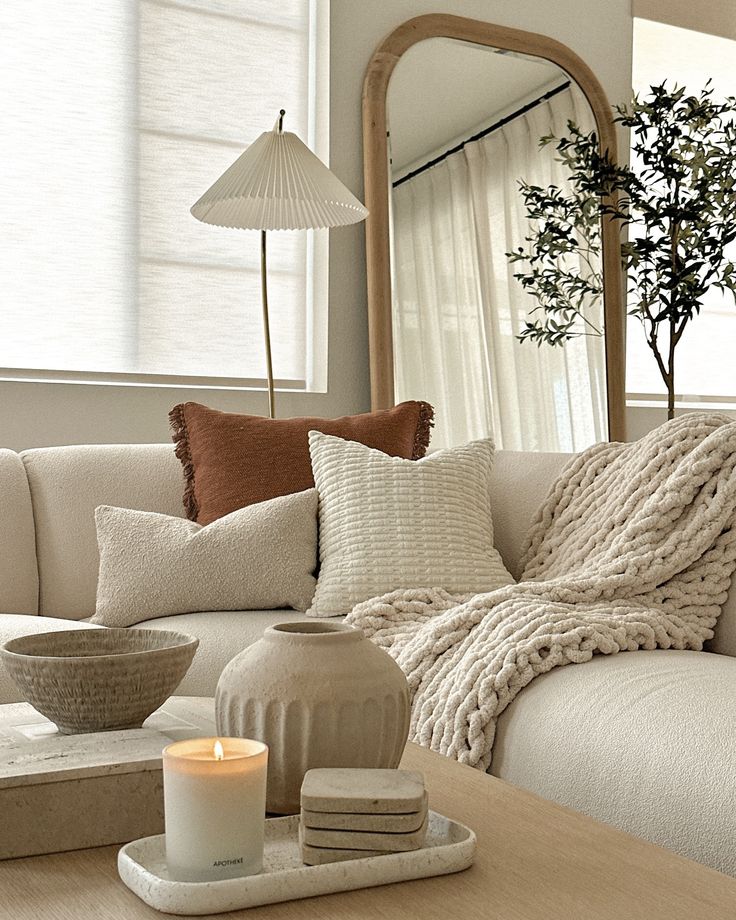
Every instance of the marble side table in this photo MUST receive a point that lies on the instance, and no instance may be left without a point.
(65, 792)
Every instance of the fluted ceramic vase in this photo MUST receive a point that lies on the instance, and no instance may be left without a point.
(319, 695)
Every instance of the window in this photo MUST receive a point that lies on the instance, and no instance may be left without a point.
(116, 117)
(705, 370)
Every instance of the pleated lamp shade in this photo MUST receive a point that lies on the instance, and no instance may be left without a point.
(278, 184)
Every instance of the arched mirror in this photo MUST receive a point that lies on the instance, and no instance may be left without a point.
(454, 111)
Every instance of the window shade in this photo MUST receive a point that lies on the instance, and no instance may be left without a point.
(115, 118)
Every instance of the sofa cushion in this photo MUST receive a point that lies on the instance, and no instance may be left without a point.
(387, 523)
(67, 484)
(645, 741)
(18, 570)
(12, 627)
(221, 634)
(235, 460)
(153, 565)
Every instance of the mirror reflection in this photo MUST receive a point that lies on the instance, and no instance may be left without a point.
(465, 123)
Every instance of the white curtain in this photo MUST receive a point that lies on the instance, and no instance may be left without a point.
(457, 307)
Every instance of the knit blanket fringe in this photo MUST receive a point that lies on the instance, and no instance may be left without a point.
(632, 548)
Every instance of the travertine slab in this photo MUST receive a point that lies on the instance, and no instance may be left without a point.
(362, 791)
(65, 792)
(364, 840)
(389, 824)
(322, 856)
(317, 856)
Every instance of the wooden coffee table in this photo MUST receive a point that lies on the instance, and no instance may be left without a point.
(535, 861)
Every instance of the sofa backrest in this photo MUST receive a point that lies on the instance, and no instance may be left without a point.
(18, 571)
(520, 483)
(66, 485)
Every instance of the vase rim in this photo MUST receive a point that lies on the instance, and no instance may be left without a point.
(313, 631)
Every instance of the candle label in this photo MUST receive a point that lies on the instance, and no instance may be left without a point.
(219, 863)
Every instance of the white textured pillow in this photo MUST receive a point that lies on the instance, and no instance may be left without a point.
(152, 565)
(387, 523)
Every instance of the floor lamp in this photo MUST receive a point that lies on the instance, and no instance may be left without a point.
(277, 184)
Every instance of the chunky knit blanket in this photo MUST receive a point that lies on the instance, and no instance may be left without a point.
(633, 548)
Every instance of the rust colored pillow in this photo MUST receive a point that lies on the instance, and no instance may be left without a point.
(231, 461)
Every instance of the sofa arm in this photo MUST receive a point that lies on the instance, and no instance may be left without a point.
(18, 566)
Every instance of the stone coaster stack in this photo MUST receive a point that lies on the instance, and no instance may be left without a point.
(351, 814)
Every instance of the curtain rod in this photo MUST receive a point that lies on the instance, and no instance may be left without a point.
(476, 137)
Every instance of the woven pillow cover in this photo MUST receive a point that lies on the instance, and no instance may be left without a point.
(257, 558)
(387, 523)
(232, 460)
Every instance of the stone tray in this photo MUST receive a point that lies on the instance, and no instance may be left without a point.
(449, 847)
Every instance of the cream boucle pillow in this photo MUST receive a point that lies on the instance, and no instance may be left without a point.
(387, 523)
(258, 558)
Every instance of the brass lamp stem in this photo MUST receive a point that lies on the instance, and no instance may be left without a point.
(266, 329)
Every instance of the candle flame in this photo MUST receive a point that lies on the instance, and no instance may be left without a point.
(219, 751)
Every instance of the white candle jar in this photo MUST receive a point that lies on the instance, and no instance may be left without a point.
(215, 808)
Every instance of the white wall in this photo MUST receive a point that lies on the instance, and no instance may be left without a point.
(465, 89)
(38, 414)
(716, 17)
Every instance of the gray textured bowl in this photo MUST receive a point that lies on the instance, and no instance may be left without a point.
(96, 680)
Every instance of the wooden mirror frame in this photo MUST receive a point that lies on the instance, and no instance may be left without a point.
(376, 172)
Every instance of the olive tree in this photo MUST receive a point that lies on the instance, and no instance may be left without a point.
(676, 210)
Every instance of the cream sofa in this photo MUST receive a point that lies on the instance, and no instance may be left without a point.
(643, 740)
